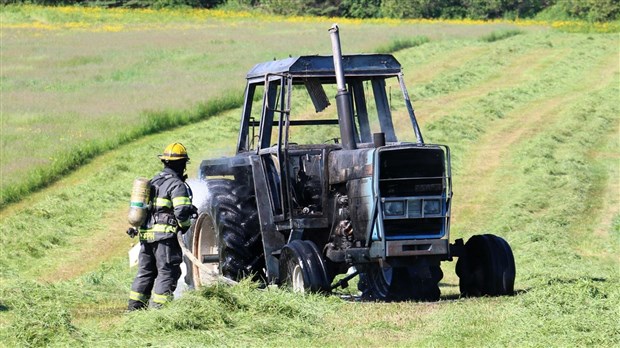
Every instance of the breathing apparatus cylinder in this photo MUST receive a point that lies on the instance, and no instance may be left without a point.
(140, 193)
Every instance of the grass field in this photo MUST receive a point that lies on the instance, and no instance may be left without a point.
(68, 74)
(531, 115)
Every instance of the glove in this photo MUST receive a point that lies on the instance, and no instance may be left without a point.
(132, 232)
(194, 214)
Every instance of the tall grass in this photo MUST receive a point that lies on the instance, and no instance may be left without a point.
(78, 155)
(501, 35)
(401, 44)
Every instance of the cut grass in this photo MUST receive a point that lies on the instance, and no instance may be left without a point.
(81, 199)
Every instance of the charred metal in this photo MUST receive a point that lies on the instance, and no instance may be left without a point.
(297, 214)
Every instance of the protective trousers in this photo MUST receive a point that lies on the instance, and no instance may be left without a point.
(159, 270)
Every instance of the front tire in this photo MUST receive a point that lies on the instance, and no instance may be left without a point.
(487, 267)
(302, 268)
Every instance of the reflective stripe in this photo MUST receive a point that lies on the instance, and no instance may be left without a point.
(160, 228)
(185, 223)
(149, 234)
(136, 296)
(181, 201)
(161, 299)
(163, 202)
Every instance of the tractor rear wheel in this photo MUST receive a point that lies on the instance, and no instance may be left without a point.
(487, 267)
(241, 244)
(227, 227)
(202, 242)
(302, 267)
(418, 283)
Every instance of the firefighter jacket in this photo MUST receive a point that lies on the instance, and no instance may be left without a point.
(171, 207)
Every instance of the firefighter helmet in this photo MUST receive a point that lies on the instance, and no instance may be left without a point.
(173, 152)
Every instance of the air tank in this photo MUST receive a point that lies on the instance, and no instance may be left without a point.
(139, 204)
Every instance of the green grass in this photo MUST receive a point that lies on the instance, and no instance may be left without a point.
(501, 35)
(533, 126)
(68, 160)
(401, 44)
(77, 207)
(241, 315)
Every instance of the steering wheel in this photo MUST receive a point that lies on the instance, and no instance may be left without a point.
(335, 140)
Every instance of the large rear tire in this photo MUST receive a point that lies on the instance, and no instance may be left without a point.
(228, 226)
(487, 267)
(419, 282)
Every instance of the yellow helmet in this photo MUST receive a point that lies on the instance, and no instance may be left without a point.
(173, 152)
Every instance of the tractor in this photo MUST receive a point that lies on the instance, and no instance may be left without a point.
(318, 192)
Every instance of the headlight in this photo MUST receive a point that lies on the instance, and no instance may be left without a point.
(394, 208)
(432, 207)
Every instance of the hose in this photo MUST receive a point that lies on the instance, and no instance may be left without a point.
(200, 265)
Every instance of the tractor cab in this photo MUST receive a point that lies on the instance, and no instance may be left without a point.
(289, 121)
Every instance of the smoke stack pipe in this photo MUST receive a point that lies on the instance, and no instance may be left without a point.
(378, 139)
(343, 97)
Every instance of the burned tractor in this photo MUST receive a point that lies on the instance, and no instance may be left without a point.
(316, 191)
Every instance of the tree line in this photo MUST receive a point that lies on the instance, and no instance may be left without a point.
(591, 10)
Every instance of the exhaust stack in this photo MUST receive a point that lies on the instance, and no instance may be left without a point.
(343, 97)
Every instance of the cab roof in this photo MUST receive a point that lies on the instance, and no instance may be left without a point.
(323, 66)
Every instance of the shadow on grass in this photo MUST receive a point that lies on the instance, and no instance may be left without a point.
(554, 281)
(456, 297)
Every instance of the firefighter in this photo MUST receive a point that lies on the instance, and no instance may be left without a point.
(160, 253)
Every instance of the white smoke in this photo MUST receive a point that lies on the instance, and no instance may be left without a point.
(200, 193)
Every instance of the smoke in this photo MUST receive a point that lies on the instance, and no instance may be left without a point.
(200, 193)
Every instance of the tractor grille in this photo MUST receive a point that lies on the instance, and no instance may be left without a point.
(409, 228)
(412, 186)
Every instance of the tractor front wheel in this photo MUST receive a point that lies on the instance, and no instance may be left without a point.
(487, 267)
(302, 267)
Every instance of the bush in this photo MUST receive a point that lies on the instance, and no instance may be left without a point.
(415, 9)
(122, 3)
(300, 7)
(589, 10)
(360, 8)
